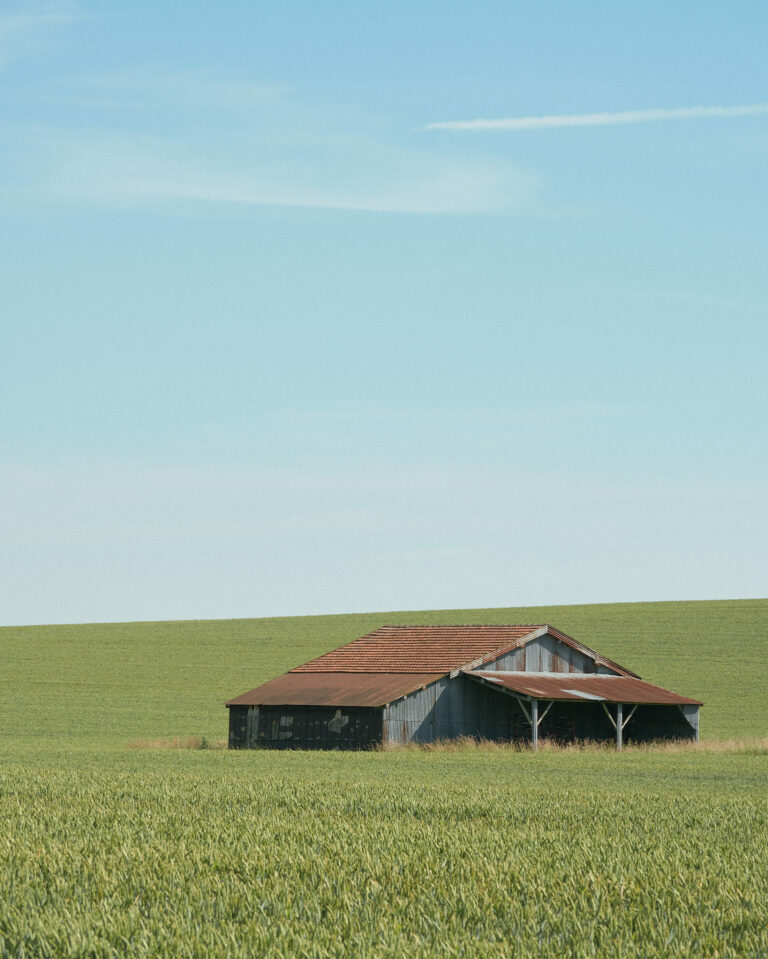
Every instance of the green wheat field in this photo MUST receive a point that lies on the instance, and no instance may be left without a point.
(110, 846)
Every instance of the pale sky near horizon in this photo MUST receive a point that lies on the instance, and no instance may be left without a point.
(334, 307)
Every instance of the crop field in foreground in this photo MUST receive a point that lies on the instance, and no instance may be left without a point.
(473, 852)
(461, 851)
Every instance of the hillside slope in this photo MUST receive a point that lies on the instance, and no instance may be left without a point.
(119, 682)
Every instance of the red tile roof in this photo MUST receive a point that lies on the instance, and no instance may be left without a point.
(334, 689)
(418, 649)
(580, 687)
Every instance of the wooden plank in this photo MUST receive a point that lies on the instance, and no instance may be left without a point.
(608, 714)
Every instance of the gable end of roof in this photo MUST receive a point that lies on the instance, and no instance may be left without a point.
(548, 630)
(580, 647)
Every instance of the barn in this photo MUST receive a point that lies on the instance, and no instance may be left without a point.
(402, 684)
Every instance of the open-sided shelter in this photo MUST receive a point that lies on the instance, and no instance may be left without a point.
(404, 684)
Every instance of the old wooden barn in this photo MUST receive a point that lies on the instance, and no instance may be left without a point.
(404, 684)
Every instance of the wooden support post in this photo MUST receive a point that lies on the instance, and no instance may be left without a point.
(619, 725)
(607, 712)
(535, 723)
(521, 704)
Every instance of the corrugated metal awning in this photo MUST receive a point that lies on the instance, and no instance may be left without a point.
(334, 689)
(581, 687)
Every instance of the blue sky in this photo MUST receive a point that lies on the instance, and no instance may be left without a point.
(285, 332)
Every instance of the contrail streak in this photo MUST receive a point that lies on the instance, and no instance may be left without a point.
(598, 119)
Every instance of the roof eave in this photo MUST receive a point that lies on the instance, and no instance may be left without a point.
(422, 680)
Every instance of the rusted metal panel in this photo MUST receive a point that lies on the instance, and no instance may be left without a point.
(329, 689)
(611, 689)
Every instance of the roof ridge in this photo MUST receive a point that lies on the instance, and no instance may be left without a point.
(456, 626)
(364, 670)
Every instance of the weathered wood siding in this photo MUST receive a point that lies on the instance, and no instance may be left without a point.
(451, 708)
(691, 714)
(546, 654)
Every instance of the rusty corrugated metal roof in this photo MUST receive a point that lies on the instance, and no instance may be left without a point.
(334, 689)
(581, 687)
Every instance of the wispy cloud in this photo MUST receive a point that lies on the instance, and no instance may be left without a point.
(162, 136)
(155, 86)
(21, 31)
(33, 18)
(598, 119)
(354, 173)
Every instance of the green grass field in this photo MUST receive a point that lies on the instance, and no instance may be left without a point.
(118, 682)
(106, 850)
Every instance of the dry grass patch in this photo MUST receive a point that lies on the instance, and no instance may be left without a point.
(189, 742)
(746, 746)
(750, 746)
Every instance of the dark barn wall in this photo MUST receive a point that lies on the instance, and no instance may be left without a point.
(305, 727)
(238, 724)
(571, 721)
(657, 722)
